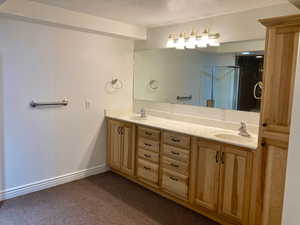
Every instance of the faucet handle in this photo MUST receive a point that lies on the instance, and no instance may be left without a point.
(243, 124)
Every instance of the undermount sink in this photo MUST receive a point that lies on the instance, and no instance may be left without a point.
(138, 117)
(233, 137)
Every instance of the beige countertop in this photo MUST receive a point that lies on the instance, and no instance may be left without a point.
(197, 130)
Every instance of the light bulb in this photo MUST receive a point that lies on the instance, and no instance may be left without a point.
(191, 41)
(213, 42)
(200, 43)
(180, 44)
(170, 42)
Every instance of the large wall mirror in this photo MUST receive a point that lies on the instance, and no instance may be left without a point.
(226, 77)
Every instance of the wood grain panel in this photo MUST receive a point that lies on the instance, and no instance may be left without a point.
(128, 151)
(149, 133)
(280, 82)
(147, 171)
(148, 144)
(175, 183)
(176, 139)
(174, 165)
(205, 178)
(234, 191)
(115, 144)
(176, 153)
(148, 155)
(274, 185)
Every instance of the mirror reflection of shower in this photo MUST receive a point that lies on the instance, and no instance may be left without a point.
(224, 82)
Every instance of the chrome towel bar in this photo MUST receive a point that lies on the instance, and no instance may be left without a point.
(36, 104)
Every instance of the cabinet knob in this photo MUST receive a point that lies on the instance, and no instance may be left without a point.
(263, 144)
(264, 124)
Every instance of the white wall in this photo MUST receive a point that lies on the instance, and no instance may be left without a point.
(45, 14)
(291, 209)
(232, 27)
(46, 63)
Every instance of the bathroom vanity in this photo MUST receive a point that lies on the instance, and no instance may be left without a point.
(203, 168)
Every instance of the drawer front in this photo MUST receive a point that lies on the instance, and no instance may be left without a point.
(147, 171)
(145, 154)
(175, 165)
(175, 139)
(149, 133)
(148, 144)
(175, 184)
(176, 153)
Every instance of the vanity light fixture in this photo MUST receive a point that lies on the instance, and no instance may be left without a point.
(194, 40)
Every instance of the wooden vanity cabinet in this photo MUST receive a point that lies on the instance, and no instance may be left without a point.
(209, 177)
(220, 179)
(121, 146)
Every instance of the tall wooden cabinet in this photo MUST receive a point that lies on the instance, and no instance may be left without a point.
(280, 67)
(121, 145)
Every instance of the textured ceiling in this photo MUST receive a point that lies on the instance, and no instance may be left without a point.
(158, 12)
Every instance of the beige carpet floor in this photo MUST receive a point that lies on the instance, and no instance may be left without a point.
(105, 199)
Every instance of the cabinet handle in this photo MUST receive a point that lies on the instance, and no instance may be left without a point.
(147, 144)
(119, 130)
(222, 158)
(173, 178)
(175, 140)
(148, 133)
(147, 156)
(264, 124)
(122, 130)
(263, 144)
(147, 168)
(174, 165)
(217, 157)
(175, 153)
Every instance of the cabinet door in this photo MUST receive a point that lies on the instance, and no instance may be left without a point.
(128, 151)
(275, 172)
(114, 144)
(280, 61)
(205, 170)
(235, 181)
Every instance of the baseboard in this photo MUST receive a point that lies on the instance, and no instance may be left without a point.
(47, 183)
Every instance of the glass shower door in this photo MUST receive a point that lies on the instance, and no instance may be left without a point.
(225, 86)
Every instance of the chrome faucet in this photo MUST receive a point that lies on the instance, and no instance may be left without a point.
(143, 113)
(243, 130)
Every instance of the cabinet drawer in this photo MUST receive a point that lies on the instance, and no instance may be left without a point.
(176, 153)
(148, 144)
(149, 133)
(147, 171)
(175, 165)
(175, 184)
(145, 154)
(176, 139)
